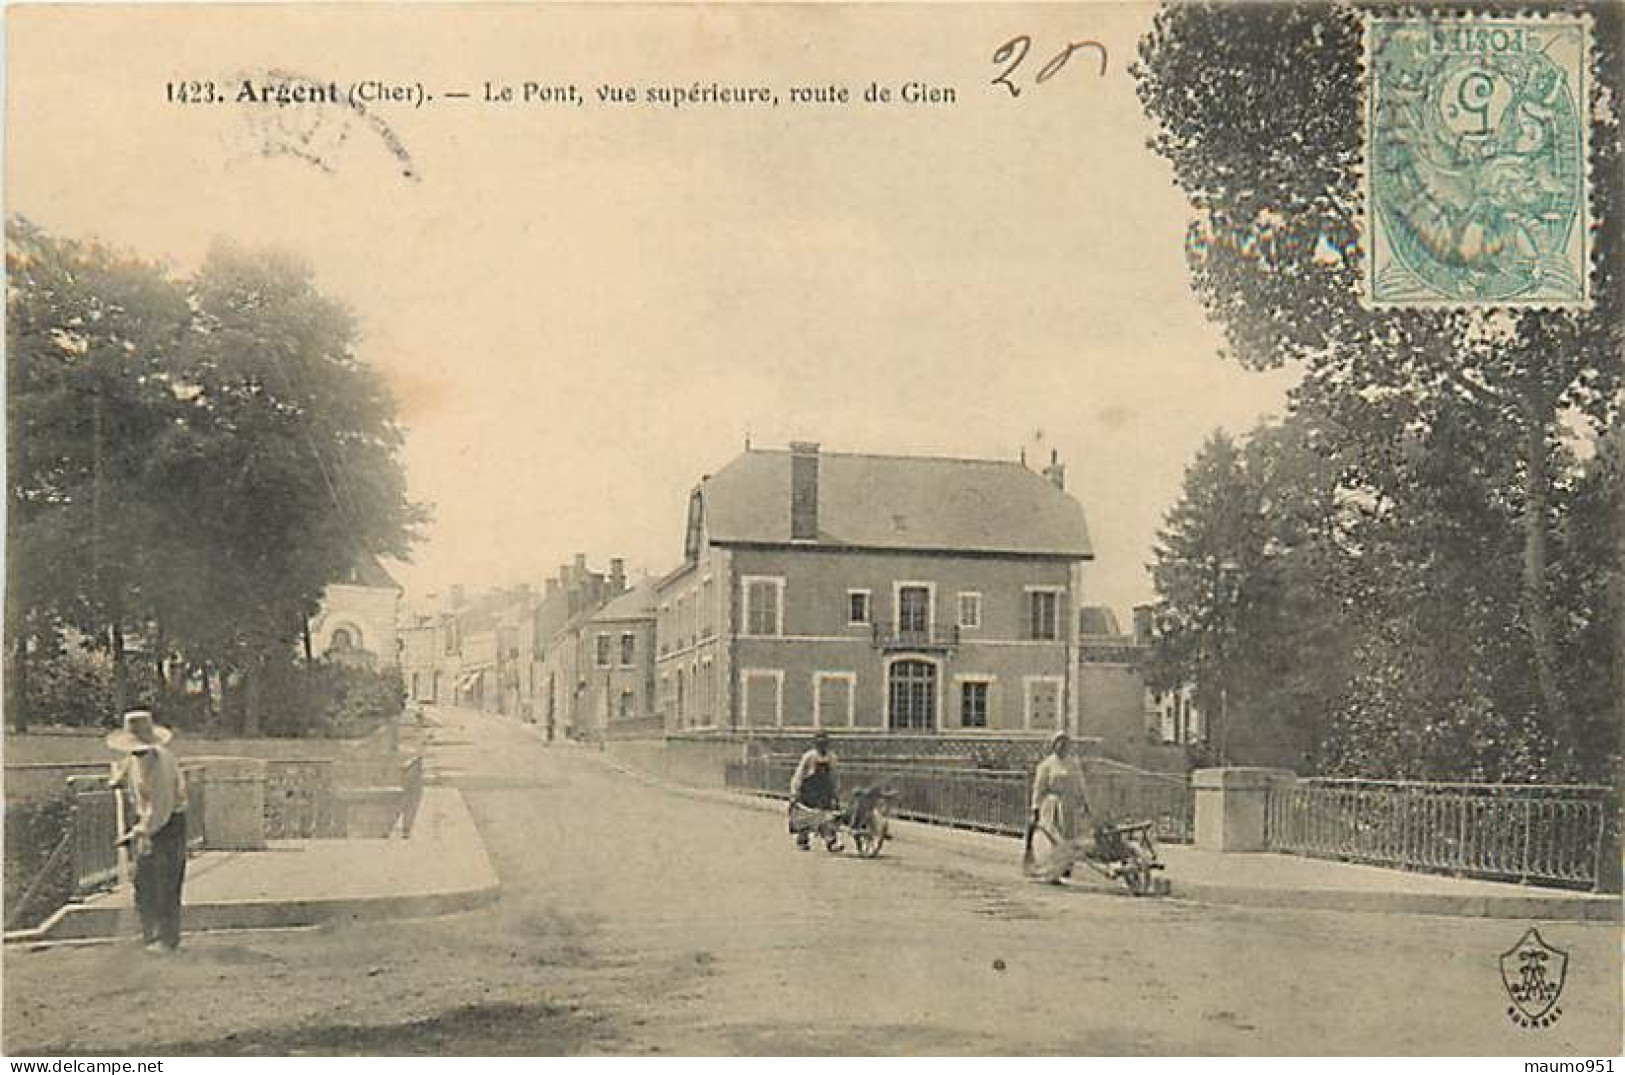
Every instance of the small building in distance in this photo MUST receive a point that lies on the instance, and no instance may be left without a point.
(617, 675)
(357, 621)
(1114, 705)
(422, 656)
(431, 646)
(476, 653)
(490, 671)
(563, 702)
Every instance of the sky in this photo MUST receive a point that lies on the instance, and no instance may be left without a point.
(581, 309)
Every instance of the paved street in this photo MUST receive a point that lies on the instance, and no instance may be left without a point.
(634, 920)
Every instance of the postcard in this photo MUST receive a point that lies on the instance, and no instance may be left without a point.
(723, 529)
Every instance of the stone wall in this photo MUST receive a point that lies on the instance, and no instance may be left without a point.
(693, 762)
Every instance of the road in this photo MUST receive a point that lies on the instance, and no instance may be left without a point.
(639, 921)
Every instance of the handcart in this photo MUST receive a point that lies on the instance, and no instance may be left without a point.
(866, 820)
(1125, 853)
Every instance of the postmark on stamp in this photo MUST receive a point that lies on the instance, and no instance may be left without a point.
(1477, 178)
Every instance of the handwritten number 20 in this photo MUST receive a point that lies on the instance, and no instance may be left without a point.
(1014, 51)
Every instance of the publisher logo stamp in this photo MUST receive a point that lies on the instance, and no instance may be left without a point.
(1532, 972)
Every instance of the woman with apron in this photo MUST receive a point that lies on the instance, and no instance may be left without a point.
(1060, 813)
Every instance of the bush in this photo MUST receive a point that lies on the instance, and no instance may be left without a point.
(362, 697)
(72, 686)
(329, 699)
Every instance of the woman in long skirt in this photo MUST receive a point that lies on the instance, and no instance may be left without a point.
(1060, 812)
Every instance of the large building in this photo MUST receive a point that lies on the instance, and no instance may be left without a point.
(873, 594)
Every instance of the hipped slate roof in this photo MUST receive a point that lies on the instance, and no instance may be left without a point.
(1097, 621)
(638, 603)
(899, 502)
(369, 571)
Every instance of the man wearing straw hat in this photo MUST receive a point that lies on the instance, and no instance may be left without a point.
(158, 836)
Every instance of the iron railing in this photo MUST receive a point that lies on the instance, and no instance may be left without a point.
(988, 800)
(1125, 794)
(931, 749)
(299, 802)
(94, 832)
(94, 821)
(924, 636)
(1560, 835)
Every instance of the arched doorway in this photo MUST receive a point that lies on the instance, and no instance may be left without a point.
(911, 696)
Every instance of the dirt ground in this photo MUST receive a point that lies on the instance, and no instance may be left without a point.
(634, 922)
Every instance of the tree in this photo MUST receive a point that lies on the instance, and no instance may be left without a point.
(87, 399)
(1249, 607)
(1201, 579)
(191, 459)
(286, 472)
(1257, 109)
(1590, 583)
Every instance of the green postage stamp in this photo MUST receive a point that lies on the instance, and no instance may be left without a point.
(1477, 177)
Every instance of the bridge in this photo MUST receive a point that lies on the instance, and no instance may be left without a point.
(637, 918)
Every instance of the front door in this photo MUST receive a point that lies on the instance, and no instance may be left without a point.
(912, 692)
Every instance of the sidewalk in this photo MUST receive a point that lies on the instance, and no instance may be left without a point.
(441, 869)
(1268, 879)
(1259, 879)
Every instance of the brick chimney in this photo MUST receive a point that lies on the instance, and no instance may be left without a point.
(617, 576)
(1056, 471)
(803, 491)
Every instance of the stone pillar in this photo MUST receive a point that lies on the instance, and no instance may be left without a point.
(1230, 806)
(233, 802)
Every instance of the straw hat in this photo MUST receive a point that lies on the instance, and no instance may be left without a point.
(139, 731)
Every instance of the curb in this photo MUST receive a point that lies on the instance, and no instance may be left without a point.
(79, 922)
(1526, 908)
(1577, 908)
(100, 919)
